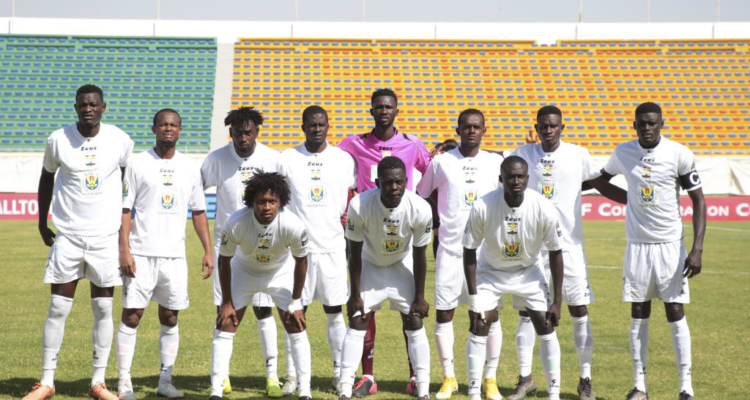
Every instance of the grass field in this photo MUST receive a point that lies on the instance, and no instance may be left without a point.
(718, 322)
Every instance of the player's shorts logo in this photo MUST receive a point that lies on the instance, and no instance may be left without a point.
(264, 244)
(512, 228)
(391, 230)
(548, 191)
(469, 198)
(317, 193)
(263, 258)
(167, 201)
(547, 171)
(392, 246)
(647, 194)
(92, 182)
(512, 250)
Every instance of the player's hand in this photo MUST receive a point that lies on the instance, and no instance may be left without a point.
(47, 235)
(208, 265)
(127, 264)
(553, 314)
(474, 319)
(354, 304)
(298, 318)
(530, 137)
(227, 315)
(437, 150)
(420, 307)
(693, 264)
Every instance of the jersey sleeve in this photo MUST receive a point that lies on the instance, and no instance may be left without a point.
(552, 234)
(197, 197)
(613, 164)
(209, 172)
(229, 239)
(127, 150)
(589, 168)
(51, 162)
(689, 179)
(422, 225)
(355, 225)
(129, 187)
(296, 238)
(427, 185)
(474, 231)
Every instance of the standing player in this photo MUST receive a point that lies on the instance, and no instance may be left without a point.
(320, 177)
(557, 170)
(460, 176)
(368, 149)
(256, 244)
(656, 264)
(89, 156)
(513, 223)
(388, 230)
(229, 169)
(160, 183)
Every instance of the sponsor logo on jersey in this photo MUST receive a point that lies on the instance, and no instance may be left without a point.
(315, 174)
(646, 173)
(168, 179)
(167, 201)
(125, 188)
(469, 198)
(647, 194)
(245, 176)
(548, 191)
(391, 230)
(224, 238)
(512, 250)
(92, 182)
(349, 224)
(547, 171)
(90, 160)
(263, 258)
(264, 244)
(386, 153)
(469, 176)
(392, 246)
(512, 228)
(317, 193)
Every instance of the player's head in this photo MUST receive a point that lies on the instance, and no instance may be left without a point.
(90, 105)
(471, 127)
(384, 108)
(167, 127)
(549, 127)
(266, 193)
(391, 180)
(648, 123)
(315, 125)
(244, 125)
(514, 174)
(449, 144)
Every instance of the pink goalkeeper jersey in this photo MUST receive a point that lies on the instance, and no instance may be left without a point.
(368, 150)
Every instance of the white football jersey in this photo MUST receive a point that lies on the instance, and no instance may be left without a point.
(558, 176)
(229, 173)
(654, 178)
(161, 191)
(262, 248)
(387, 232)
(459, 181)
(320, 184)
(513, 237)
(87, 195)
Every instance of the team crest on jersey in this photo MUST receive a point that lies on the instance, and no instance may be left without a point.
(469, 198)
(547, 171)
(263, 258)
(315, 174)
(167, 201)
(391, 246)
(512, 228)
(90, 160)
(168, 179)
(264, 243)
(317, 193)
(245, 176)
(469, 177)
(647, 194)
(512, 251)
(92, 182)
(548, 191)
(391, 230)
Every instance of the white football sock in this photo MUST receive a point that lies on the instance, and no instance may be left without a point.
(638, 350)
(169, 345)
(221, 354)
(549, 351)
(682, 353)
(267, 332)
(476, 353)
(444, 339)
(126, 339)
(525, 338)
(52, 336)
(494, 345)
(101, 336)
(291, 370)
(336, 334)
(584, 344)
(351, 353)
(419, 352)
(301, 355)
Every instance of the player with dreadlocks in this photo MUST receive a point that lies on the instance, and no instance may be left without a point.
(229, 169)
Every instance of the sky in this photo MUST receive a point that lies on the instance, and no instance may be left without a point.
(388, 10)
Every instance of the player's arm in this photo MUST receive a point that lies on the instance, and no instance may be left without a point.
(226, 312)
(200, 223)
(355, 302)
(470, 271)
(127, 264)
(607, 189)
(556, 268)
(295, 311)
(420, 305)
(693, 263)
(44, 198)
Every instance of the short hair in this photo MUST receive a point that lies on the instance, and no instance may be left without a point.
(513, 160)
(648, 107)
(167, 110)
(383, 92)
(450, 144)
(548, 110)
(470, 111)
(313, 110)
(262, 182)
(242, 115)
(390, 162)
(88, 88)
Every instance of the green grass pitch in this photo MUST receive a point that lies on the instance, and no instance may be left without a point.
(717, 316)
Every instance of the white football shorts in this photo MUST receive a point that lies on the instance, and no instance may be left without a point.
(326, 279)
(576, 290)
(527, 285)
(450, 281)
(394, 282)
(259, 300)
(160, 279)
(96, 258)
(275, 284)
(654, 270)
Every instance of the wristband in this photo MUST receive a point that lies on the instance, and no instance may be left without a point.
(295, 305)
(474, 305)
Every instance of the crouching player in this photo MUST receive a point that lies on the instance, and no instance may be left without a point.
(513, 223)
(254, 257)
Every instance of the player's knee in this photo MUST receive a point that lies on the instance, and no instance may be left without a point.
(675, 311)
(332, 309)
(168, 320)
(358, 323)
(444, 316)
(578, 311)
(262, 312)
(413, 323)
(640, 310)
(481, 328)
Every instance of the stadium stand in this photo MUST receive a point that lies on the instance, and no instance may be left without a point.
(702, 85)
(139, 75)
